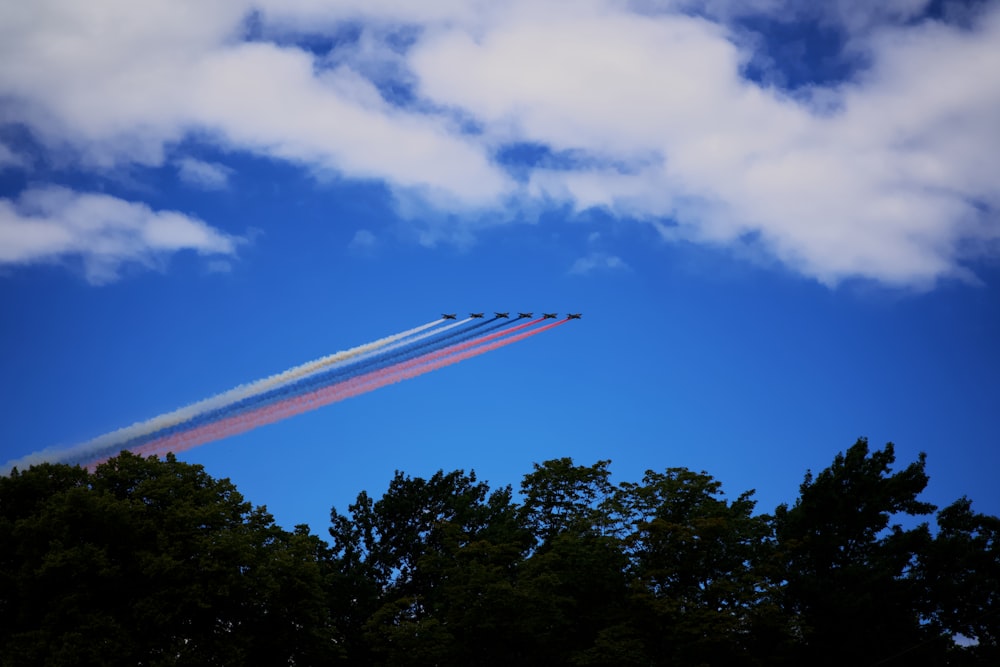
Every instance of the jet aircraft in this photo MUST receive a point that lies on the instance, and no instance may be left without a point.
(477, 316)
(448, 316)
(549, 316)
(502, 314)
(573, 316)
(521, 316)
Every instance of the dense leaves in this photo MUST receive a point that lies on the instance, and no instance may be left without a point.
(844, 563)
(148, 562)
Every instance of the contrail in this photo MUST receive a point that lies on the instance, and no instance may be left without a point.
(334, 373)
(186, 413)
(409, 341)
(296, 405)
(437, 346)
(379, 360)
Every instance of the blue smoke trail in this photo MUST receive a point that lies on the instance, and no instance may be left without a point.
(408, 350)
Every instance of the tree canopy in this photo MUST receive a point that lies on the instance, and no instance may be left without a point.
(154, 562)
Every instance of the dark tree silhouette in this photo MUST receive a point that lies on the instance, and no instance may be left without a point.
(150, 562)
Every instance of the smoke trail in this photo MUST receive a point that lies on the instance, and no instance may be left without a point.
(408, 361)
(439, 345)
(104, 442)
(337, 392)
(379, 359)
(410, 341)
(310, 382)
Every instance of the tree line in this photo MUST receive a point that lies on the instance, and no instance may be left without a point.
(154, 562)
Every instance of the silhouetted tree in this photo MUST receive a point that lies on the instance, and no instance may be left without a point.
(427, 571)
(961, 572)
(847, 570)
(149, 562)
(695, 568)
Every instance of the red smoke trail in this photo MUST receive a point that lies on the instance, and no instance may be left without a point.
(330, 394)
(220, 429)
(299, 404)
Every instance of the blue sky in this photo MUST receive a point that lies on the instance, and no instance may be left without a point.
(780, 224)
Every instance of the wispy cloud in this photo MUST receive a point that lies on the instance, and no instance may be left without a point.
(888, 175)
(205, 175)
(9, 158)
(880, 179)
(598, 261)
(363, 242)
(53, 223)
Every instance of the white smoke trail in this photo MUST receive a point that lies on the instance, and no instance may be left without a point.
(295, 405)
(409, 341)
(241, 392)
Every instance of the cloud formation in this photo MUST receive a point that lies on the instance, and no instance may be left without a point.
(597, 261)
(887, 175)
(9, 158)
(51, 224)
(363, 242)
(204, 175)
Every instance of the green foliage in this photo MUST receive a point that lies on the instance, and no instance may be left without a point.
(429, 557)
(560, 497)
(961, 571)
(149, 562)
(846, 568)
(695, 566)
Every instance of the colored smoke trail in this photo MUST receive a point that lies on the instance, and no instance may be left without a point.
(382, 360)
(404, 357)
(396, 345)
(337, 392)
(122, 436)
(408, 349)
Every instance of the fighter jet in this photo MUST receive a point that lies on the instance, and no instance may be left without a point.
(477, 316)
(573, 316)
(549, 316)
(502, 314)
(522, 316)
(448, 316)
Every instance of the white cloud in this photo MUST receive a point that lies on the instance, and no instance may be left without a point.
(850, 16)
(888, 186)
(219, 266)
(205, 175)
(9, 158)
(598, 261)
(50, 224)
(887, 176)
(118, 81)
(363, 241)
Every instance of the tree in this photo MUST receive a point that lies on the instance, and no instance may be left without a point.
(961, 573)
(848, 589)
(425, 573)
(560, 497)
(574, 587)
(149, 562)
(694, 560)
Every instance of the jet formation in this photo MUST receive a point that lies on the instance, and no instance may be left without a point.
(520, 316)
